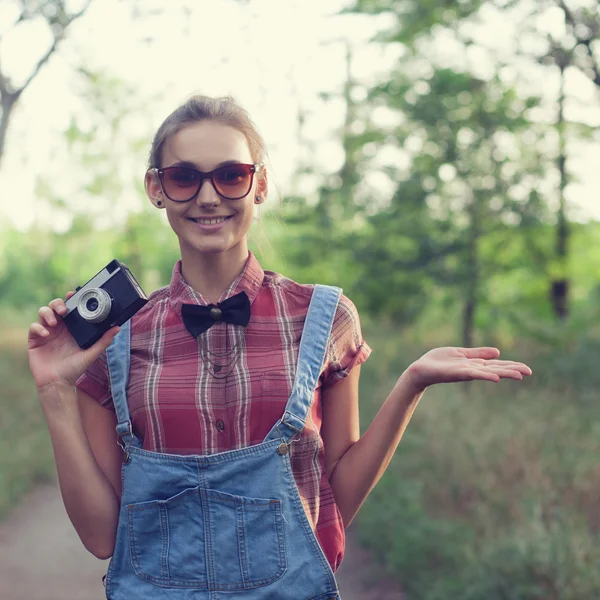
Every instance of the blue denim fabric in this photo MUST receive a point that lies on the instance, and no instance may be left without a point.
(226, 526)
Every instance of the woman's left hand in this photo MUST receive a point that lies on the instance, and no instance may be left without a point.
(451, 365)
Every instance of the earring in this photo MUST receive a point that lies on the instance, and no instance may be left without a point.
(158, 203)
(257, 201)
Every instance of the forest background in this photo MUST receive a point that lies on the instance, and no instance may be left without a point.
(437, 160)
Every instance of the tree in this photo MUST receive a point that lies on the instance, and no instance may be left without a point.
(468, 186)
(573, 48)
(319, 249)
(58, 18)
(583, 24)
(559, 286)
(416, 26)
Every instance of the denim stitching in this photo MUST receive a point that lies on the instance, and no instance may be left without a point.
(304, 520)
(164, 528)
(242, 549)
(273, 506)
(206, 460)
(208, 542)
(136, 563)
(275, 509)
(108, 580)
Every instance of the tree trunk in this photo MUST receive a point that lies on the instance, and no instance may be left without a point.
(8, 103)
(472, 270)
(349, 171)
(559, 287)
(468, 317)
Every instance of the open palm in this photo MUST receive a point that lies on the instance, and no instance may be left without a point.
(451, 364)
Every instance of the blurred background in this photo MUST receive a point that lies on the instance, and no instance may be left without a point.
(438, 160)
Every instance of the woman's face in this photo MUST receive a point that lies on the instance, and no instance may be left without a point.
(208, 223)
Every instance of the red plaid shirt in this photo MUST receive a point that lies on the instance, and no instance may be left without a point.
(178, 406)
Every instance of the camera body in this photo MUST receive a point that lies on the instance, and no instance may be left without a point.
(109, 298)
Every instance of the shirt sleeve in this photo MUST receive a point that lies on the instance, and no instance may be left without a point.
(96, 382)
(347, 347)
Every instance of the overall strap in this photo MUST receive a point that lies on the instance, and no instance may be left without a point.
(313, 347)
(117, 358)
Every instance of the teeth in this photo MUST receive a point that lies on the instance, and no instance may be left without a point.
(211, 221)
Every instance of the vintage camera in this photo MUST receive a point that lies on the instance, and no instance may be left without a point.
(109, 298)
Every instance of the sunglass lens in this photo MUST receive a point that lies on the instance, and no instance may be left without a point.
(233, 181)
(180, 183)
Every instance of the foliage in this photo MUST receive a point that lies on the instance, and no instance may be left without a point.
(24, 441)
(43, 265)
(491, 494)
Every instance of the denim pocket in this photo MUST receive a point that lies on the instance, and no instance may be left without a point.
(206, 539)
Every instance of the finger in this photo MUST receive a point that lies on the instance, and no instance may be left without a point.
(521, 367)
(503, 372)
(482, 375)
(514, 366)
(58, 306)
(38, 330)
(484, 352)
(47, 316)
(505, 364)
(70, 294)
(93, 352)
(509, 374)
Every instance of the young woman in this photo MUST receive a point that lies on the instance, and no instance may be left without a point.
(211, 446)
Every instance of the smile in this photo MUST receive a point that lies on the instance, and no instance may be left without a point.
(213, 221)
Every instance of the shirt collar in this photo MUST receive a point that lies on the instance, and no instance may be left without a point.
(249, 280)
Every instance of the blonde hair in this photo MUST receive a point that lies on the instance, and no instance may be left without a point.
(203, 108)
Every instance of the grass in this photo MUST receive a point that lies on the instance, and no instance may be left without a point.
(492, 494)
(25, 450)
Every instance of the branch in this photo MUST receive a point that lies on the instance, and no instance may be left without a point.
(44, 59)
(3, 80)
(595, 67)
(22, 17)
(41, 63)
(6, 95)
(587, 42)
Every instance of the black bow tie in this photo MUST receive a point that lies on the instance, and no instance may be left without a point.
(235, 310)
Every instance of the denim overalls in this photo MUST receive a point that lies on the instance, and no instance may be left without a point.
(226, 526)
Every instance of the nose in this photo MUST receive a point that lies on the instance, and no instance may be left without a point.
(207, 194)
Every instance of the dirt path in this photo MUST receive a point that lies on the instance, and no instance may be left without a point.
(41, 558)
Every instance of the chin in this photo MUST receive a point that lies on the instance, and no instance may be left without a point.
(212, 250)
(215, 248)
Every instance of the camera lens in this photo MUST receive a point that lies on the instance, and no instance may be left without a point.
(94, 305)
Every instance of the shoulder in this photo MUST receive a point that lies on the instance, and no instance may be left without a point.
(346, 330)
(287, 286)
(299, 295)
(287, 296)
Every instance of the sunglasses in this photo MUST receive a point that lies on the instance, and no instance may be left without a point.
(182, 184)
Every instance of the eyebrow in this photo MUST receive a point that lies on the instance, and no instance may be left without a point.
(191, 165)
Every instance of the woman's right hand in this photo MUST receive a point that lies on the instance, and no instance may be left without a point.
(54, 355)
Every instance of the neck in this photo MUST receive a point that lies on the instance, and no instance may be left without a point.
(212, 274)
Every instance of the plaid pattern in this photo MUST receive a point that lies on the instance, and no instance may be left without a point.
(179, 406)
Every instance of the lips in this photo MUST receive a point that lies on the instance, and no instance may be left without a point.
(211, 220)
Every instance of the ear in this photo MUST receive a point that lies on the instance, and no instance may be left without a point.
(262, 186)
(154, 189)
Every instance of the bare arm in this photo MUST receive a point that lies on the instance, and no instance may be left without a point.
(82, 432)
(355, 464)
(88, 464)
